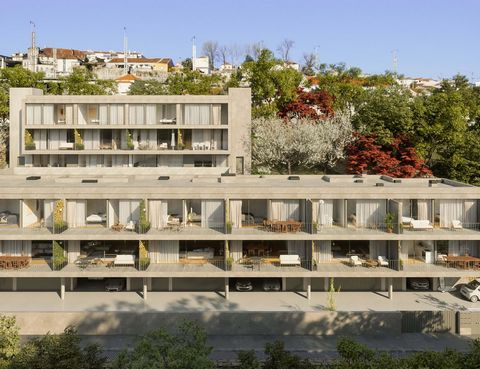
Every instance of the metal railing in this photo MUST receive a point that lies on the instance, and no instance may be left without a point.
(258, 264)
(58, 228)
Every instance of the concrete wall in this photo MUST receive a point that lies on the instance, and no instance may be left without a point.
(6, 284)
(198, 284)
(218, 323)
(38, 284)
(159, 284)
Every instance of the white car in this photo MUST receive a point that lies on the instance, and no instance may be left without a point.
(471, 290)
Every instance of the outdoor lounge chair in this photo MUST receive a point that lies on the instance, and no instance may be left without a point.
(456, 224)
(355, 260)
(130, 226)
(421, 224)
(382, 261)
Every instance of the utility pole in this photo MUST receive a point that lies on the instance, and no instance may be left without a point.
(32, 57)
(194, 53)
(125, 48)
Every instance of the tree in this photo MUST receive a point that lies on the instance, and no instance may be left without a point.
(148, 87)
(162, 350)
(315, 104)
(298, 144)
(248, 360)
(58, 351)
(83, 82)
(187, 64)
(210, 49)
(397, 158)
(223, 53)
(9, 339)
(309, 64)
(284, 49)
(279, 358)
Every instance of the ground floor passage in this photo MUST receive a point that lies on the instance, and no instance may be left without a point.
(225, 287)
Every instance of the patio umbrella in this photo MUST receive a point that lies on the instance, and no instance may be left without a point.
(172, 142)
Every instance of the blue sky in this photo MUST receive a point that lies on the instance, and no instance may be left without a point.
(434, 38)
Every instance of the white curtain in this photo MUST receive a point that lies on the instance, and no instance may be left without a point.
(236, 250)
(296, 248)
(116, 114)
(73, 250)
(423, 207)
(323, 251)
(150, 114)
(197, 114)
(48, 206)
(377, 248)
(213, 214)
(158, 213)
(40, 139)
(30, 114)
(82, 114)
(370, 212)
(128, 210)
(34, 114)
(112, 212)
(470, 212)
(165, 251)
(284, 210)
(76, 213)
(30, 212)
(136, 114)
(53, 139)
(16, 248)
(236, 213)
(450, 210)
(216, 114)
(152, 139)
(406, 208)
(325, 213)
(48, 114)
(103, 114)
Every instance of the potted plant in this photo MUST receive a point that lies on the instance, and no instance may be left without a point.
(314, 227)
(78, 145)
(144, 260)
(389, 218)
(58, 255)
(143, 224)
(128, 135)
(229, 261)
(229, 226)
(59, 224)
(29, 143)
(180, 144)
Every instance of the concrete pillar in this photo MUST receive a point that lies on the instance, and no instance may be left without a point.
(145, 288)
(284, 283)
(149, 283)
(309, 288)
(170, 284)
(404, 284)
(14, 283)
(382, 284)
(434, 284)
(129, 284)
(62, 288)
(227, 288)
(326, 284)
(72, 284)
(390, 288)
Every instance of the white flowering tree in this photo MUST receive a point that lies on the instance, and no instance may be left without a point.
(286, 145)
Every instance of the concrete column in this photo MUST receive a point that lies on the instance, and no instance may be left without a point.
(326, 284)
(382, 284)
(149, 283)
(170, 284)
(129, 284)
(435, 284)
(404, 284)
(145, 288)
(308, 281)
(72, 284)
(390, 288)
(227, 288)
(62, 288)
(14, 283)
(284, 283)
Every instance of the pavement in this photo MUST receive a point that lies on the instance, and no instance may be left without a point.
(238, 301)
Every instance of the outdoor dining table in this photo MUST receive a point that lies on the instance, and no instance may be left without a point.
(285, 226)
(464, 261)
(14, 262)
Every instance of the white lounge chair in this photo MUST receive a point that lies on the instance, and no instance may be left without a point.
(290, 260)
(355, 260)
(124, 260)
(456, 224)
(421, 224)
(382, 261)
(130, 226)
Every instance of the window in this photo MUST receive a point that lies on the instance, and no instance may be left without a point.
(239, 165)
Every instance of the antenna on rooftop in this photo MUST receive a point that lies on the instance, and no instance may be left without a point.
(33, 52)
(395, 61)
(125, 48)
(194, 52)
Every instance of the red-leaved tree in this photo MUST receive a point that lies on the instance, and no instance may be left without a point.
(396, 159)
(315, 104)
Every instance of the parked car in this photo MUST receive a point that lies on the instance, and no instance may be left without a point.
(471, 290)
(244, 285)
(419, 284)
(114, 284)
(271, 284)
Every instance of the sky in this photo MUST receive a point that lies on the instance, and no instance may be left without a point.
(432, 38)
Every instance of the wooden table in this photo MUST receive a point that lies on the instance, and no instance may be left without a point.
(14, 262)
(463, 262)
(283, 226)
(370, 263)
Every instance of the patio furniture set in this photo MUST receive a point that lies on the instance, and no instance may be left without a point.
(14, 262)
(381, 261)
(283, 226)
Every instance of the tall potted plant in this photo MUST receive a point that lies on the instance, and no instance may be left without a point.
(78, 140)
(29, 143)
(389, 218)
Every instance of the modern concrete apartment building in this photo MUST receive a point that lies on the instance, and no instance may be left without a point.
(163, 219)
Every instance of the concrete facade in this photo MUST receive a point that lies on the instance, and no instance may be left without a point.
(208, 225)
